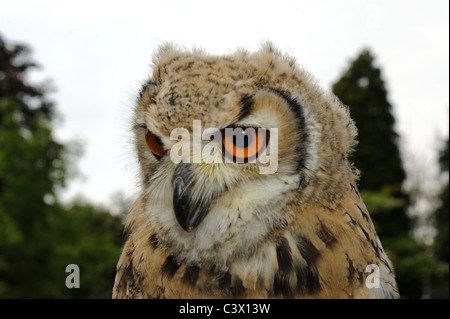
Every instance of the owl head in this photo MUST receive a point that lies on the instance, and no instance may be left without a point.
(229, 146)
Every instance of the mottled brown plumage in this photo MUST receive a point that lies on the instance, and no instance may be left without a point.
(226, 230)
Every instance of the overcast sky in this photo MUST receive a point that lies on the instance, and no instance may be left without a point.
(98, 52)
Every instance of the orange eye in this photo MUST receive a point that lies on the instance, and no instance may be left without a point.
(155, 144)
(243, 145)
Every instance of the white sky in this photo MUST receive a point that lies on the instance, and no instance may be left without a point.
(98, 52)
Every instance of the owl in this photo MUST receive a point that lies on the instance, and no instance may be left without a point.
(247, 190)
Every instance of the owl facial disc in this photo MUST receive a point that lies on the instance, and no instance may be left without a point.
(189, 213)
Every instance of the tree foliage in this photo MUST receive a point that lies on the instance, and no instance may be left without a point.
(362, 88)
(440, 248)
(39, 236)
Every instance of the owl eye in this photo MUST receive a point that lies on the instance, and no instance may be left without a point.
(243, 145)
(155, 144)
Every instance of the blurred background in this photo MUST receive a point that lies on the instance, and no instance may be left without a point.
(69, 75)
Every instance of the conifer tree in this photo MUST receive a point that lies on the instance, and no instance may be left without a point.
(377, 155)
(362, 88)
(441, 248)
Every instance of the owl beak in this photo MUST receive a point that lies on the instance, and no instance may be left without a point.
(189, 214)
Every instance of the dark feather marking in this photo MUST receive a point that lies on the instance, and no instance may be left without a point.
(145, 87)
(139, 126)
(375, 248)
(172, 98)
(363, 214)
(308, 251)
(350, 269)
(281, 280)
(188, 66)
(326, 236)
(307, 279)
(160, 292)
(387, 264)
(225, 282)
(361, 278)
(130, 274)
(354, 189)
(284, 257)
(353, 273)
(158, 77)
(300, 148)
(364, 232)
(231, 286)
(307, 275)
(191, 275)
(246, 106)
(130, 253)
(170, 267)
(236, 287)
(154, 243)
(352, 221)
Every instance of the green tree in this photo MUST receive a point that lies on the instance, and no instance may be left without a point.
(39, 237)
(31, 169)
(362, 88)
(377, 156)
(440, 283)
(90, 237)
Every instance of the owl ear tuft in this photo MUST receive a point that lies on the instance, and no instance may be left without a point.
(164, 54)
(269, 47)
(165, 51)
